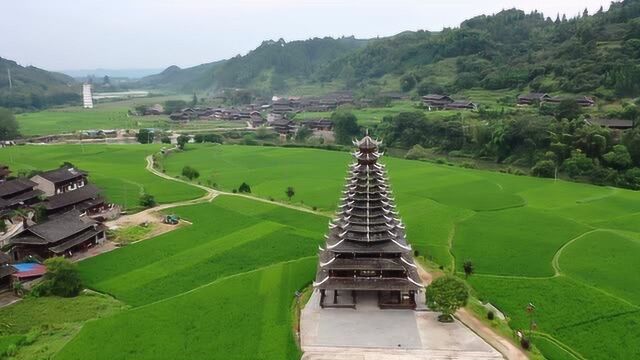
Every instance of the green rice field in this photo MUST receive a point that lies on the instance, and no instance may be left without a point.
(201, 291)
(119, 170)
(568, 248)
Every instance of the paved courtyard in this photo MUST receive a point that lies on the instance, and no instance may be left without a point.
(369, 333)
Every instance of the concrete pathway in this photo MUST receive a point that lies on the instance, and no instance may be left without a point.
(369, 333)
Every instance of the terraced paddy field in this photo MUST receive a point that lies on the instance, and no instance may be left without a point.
(221, 288)
(571, 249)
(119, 170)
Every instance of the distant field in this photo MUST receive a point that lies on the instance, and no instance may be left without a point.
(107, 115)
(366, 116)
(511, 227)
(201, 291)
(119, 170)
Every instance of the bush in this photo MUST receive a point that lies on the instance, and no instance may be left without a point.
(544, 168)
(525, 343)
(490, 315)
(165, 140)
(147, 200)
(417, 152)
(244, 188)
(190, 173)
(61, 279)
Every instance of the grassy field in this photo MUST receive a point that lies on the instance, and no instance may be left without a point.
(201, 291)
(566, 247)
(116, 169)
(36, 328)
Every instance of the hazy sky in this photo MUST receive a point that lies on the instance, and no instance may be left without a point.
(73, 34)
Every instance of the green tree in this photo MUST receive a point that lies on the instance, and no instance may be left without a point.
(446, 295)
(244, 188)
(106, 80)
(290, 192)
(194, 100)
(190, 173)
(8, 125)
(147, 200)
(345, 126)
(568, 109)
(468, 268)
(303, 134)
(171, 106)
(578, 164)
(618, 158)
(145, 136)
(165, 140)
(182, 141)
(61, 279)
(544, 168)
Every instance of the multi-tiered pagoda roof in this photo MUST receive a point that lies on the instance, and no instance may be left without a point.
(366, 247)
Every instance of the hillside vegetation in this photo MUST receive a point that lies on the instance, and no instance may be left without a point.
(592, 54)
(35, 88)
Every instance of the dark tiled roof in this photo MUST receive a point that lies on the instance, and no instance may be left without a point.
(532, 96)
(16, 185)
(62, 174)
(60, 227)
(69, 198)
(4, 258)
(29, 195)
(76, 240)
(615, 123)
(435, 97)
(6, 270)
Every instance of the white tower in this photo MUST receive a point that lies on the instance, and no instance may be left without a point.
(87, 97)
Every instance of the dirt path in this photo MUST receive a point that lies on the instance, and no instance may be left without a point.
(498, 342)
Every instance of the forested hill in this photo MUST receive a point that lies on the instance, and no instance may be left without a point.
(272, 65)
(596, 53)
(35, 88)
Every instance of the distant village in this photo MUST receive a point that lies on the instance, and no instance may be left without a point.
(52, 213)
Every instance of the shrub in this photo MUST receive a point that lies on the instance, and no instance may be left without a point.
(244, 188)
(190, 173)
(417, 152)
(490, 315)
(544, 168)
(234, 191)
(61, 279)
(525, 343)
(147, 200)
(165, 140)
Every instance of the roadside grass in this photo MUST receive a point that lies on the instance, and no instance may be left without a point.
(132, 233)
(36, 328)
(119, 170)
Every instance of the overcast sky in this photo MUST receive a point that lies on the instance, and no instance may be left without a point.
(85, 34)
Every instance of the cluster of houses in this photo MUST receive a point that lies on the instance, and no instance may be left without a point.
(210, 113)
(446, 102)
(54, 213)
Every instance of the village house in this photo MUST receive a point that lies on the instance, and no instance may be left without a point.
(461, 105)
(17, 193)
(319, 124)
(281, 106)
(87, 200)
(156, 109)
(616, 124)
(533, 98)
(60, 236)
(60, 180)
(283, 126)
(436, 101)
